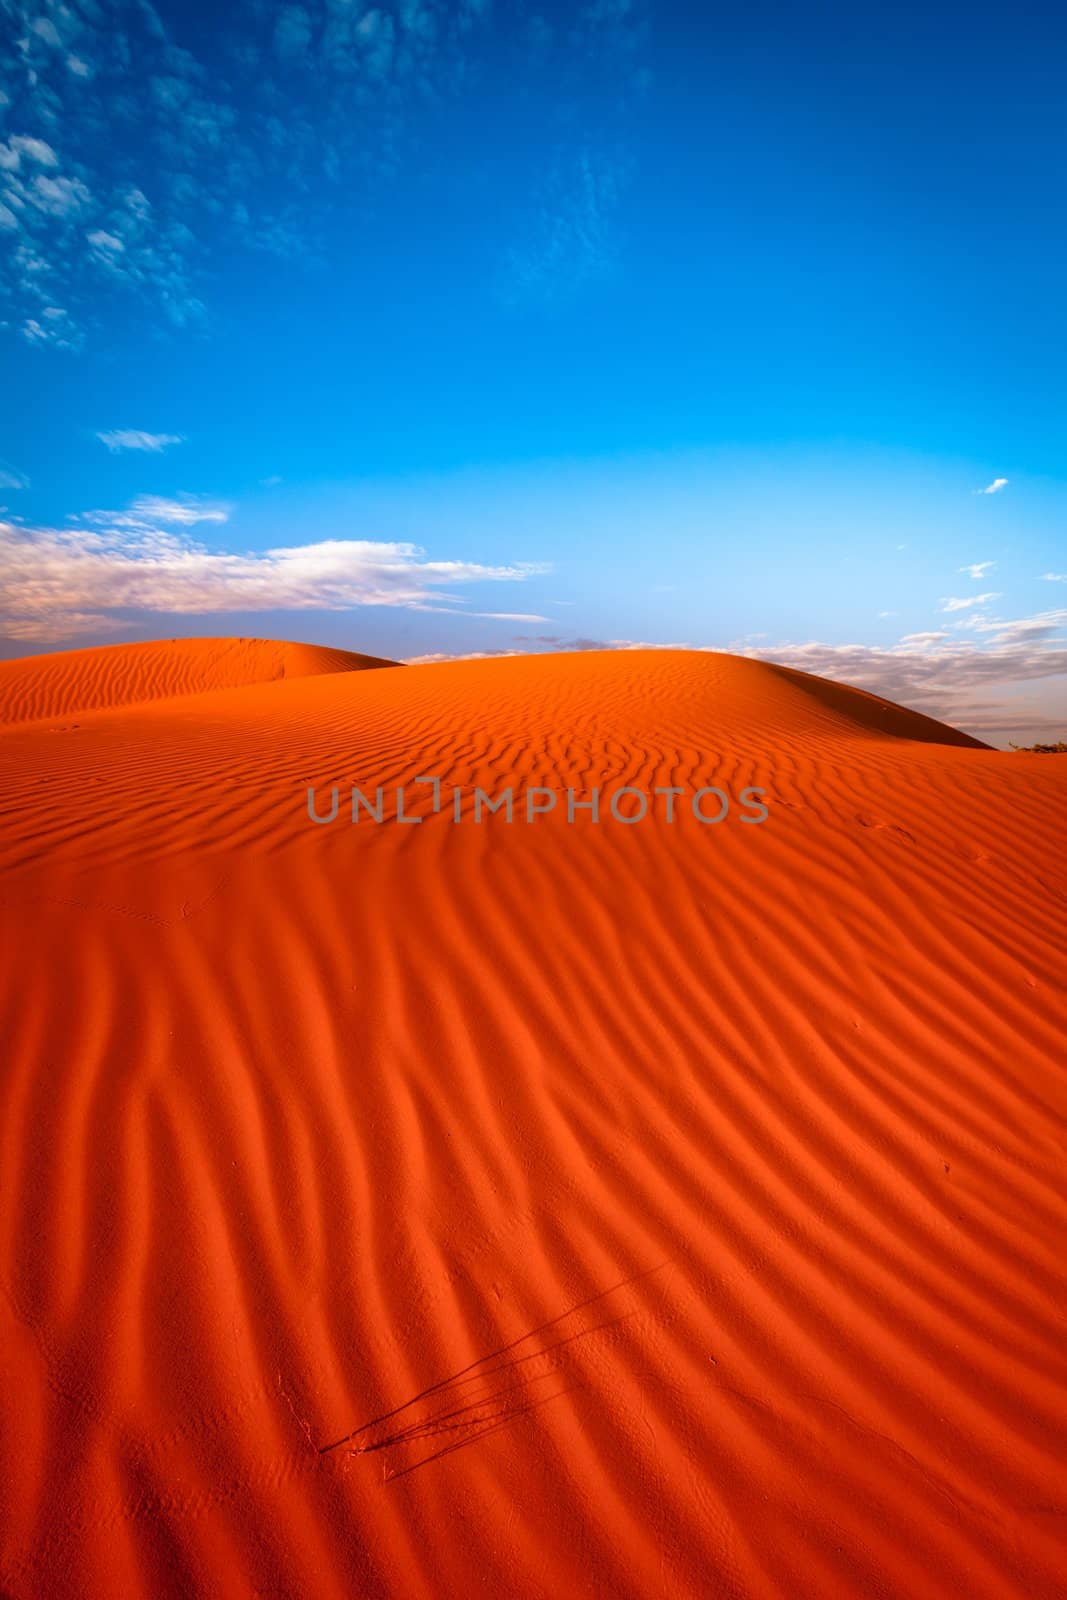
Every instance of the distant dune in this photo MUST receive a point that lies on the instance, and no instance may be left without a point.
(531, 1209)
(33, 688)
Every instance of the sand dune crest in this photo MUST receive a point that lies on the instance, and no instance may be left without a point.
(34, 688)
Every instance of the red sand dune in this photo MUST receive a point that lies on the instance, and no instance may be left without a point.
(33, 688)
(533, 1209)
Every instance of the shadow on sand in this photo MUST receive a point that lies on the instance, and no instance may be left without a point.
(486, 1395)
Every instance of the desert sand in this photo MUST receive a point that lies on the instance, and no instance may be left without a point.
(33, 688)
(530, 1210)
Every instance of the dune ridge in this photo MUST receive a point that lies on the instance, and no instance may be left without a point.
(551, 1209)
(35, 688)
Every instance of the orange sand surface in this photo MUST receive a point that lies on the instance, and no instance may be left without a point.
(530, 1210)
(37, 687)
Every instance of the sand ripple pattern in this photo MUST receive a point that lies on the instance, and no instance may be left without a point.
(54, 687)
(537, 1211)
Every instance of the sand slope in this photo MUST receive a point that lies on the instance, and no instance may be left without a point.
(531, 1210)
(33, 688)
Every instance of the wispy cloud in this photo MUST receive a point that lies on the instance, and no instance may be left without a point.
(70, 582)
(1054, 577)
(965, 603)
(54, 327)
(10, 479)
(435, 656)
(225, 144)
(995, 487)
(978, 569)
(18, 150)
(1042, 625)
(244, 138)
(509, 616)
(149, 511)
(120, 439)
(572, 239)
(58, 225)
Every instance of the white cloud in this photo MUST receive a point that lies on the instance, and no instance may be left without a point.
(1054, 577)
(149, 510)
(58, 196)
(72, 582)
(34, 150)
(53, 327)
(995, 487)
(955, 603)
(436, 656)
(10, 479)
(120, 439)
(1042, 625)
(509, 616)
(46, 29)
(106, 247)
(978, 569)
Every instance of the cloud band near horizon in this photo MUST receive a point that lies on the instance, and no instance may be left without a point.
(67, 583)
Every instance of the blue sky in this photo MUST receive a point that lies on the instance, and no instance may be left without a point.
(431, 329)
